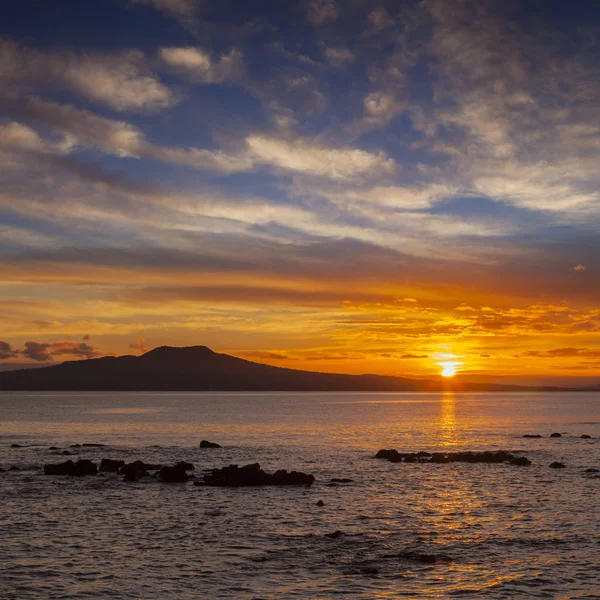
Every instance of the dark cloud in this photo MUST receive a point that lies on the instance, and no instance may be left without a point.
(561, 352)
(265, 355)
(7, 352)
(37, 351)
(81, 349)
(43, 352)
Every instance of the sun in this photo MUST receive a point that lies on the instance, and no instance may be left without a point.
(449, 368)
(449, 371)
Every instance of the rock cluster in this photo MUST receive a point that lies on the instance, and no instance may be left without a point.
(74, 469)
(499, 456)
(131, 471)
(253, 475)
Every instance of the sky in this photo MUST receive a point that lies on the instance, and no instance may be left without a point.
(335, 185)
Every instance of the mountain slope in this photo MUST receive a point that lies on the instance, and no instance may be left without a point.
(197, 368)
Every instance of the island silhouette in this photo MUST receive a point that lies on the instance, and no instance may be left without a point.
(198, 368)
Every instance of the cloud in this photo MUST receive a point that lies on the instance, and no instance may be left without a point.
(18, 136)
(7, 352)
(197, 66)
(306, 156)
(265, 355)
(80, 128)
(580, 268)
(80, 349)
(380, 19)
(120, 80)
(320, 11)
(43, 352)
(37, 351)
(139, 345)
(339, 57)
(562, 352)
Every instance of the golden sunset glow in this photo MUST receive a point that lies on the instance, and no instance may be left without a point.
(275, 202)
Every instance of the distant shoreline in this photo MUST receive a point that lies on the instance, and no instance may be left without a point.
(199, 369)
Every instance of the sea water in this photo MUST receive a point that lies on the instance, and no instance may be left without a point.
(494, 530)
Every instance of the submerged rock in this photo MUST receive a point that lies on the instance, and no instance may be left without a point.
(13, 468)
(253, 475)
(592, 470)
(110, 465)
(520, 461)
(207, 444)
(336, 534)
(585, 436)
(16, 446)
(342, 480)
(499, 456)
(74, 469)
(558, 465)
(555, 434)
(532, 435)
(174, 474)
(320, 503)
(2, 470)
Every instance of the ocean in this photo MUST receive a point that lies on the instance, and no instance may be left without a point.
(396, 531)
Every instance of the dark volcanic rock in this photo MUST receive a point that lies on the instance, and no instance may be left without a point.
(94, 445)
(186, 466)
(132, 477)
(84, 467)
(138, 468)
(320, 503)
(174, 474)
(532, 436)
(585, 436)
(110, 465)
(53, 448)
(558, 465)
(207, 444)
(13, 468)
(556, 435)
(59, 469)
(521, 461)
(391, 455)
(500, 456)
(78, 469)
(253, 475)
(16, 446)
(592, 470)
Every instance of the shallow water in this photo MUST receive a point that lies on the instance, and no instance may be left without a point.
(510, 531)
